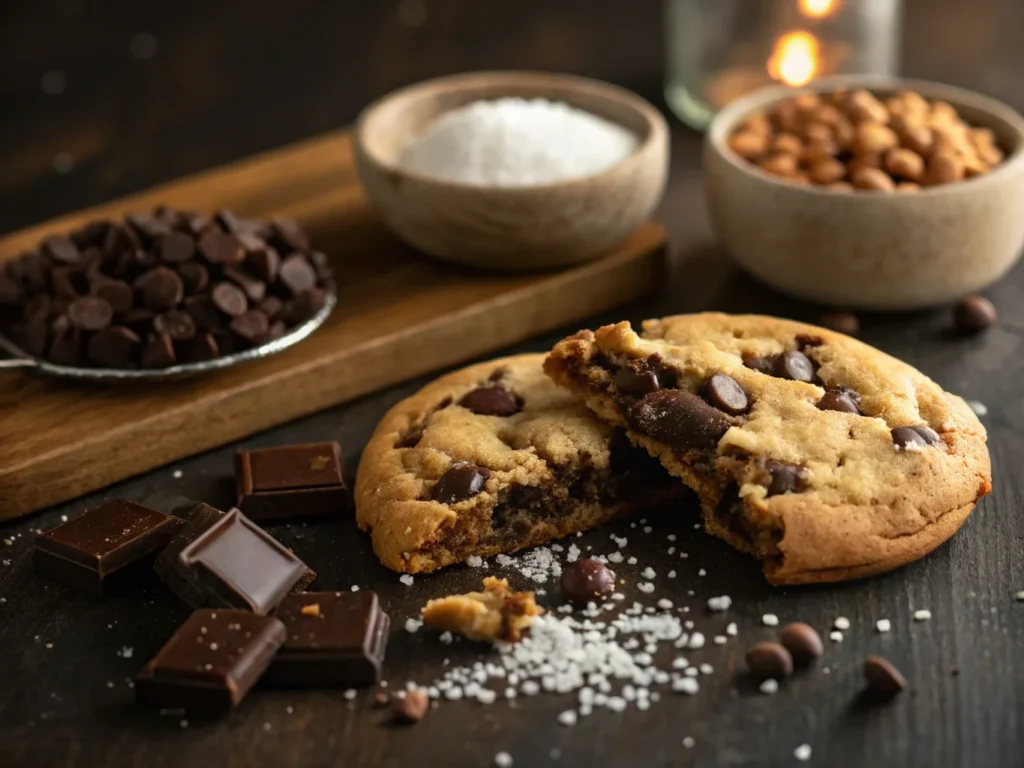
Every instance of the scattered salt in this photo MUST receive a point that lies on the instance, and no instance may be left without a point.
(770, 620)
(883, 625)
(841, 623)
(474, 561)
(835, 636)
(719, 603)
(406, 579)
(769, 686)
(503, 760)
(922, 615)
(802, 753)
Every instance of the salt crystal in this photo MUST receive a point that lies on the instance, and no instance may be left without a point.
(671, 574)
(648, 573)
(769, 686)
(355, 588)
(719, 603)
(474, 561)
(922, 615)
(979, 408)
(883, 625)
(696, 640)
(802, 753)
(568, 717)
(842, 623)
(574, 553)
(412, 625)
(721, 639)
(835, 636)
(770, 620)
(615, 557)
(631, 561)
(688, 742)
(503, 760)
(686, 685)
(406, 579)
(664, 604)
(731, 629)
(702, 572)
(645, 587)
(177, 474)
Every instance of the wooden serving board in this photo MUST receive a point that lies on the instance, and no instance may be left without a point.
(399, 315)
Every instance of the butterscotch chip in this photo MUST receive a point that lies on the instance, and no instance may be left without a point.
(827, 114)
(862, 106)
(787, 117)
(914, 101)
(908, 186)
(918, 138)
(874, 137)
(819, 150)
(780, 164)
(800, 178)
(749, 145)
(942, 111)
(943, 168)
(904, 163)
(757, 122)
(817, 132)
(868, 160)
(497, 613)
(974, 165)
(827, 171)
(311, 609)
(839, 186)
(806, 102)
(787, 143)
(872, 179)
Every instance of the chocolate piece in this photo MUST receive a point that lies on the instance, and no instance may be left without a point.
(764, 365)
(178, 325)
(678, 418)
(838, 400)
(491, 401)
(333, 638)
(194, 277)
(305, 306)
(252, 287)
(90, 313)
(807, 340)
(196, 522)
(229, 299)
(272, 307)
(252, 326)
(410, 706)
(236, 564)
(291, 481)
(161, 289)
(289, 233)
(725, 394)
(911, 438)
(204, 312)
(769, 660)
(220, 248)
(117, 293)
(297, 274)
(802, 641)
(785, 477)
(66, 348)
(61, 249)
(177, 247)
(636, 382)
(883, 679)
(113, 347)
(86, 553)
(586, 580)
(974, 313)
(263, 262)
(842, 322)
(203, 347)
(461, 482)
(148, 226)
(211, 662)
(794, 365)
(158, 352)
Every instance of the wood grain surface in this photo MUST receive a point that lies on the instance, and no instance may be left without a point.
(229, 80)
(399, 315)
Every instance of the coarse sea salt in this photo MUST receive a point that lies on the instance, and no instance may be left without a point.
(514, 142)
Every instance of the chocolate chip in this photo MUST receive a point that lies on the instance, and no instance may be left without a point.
(194, 276)
(148, 225)
(117, 293)
(726, 394)
(586, 580)
(794, 365)
(227, 220)
(838, 400)
(802, 642)
(974, 313)
(290, 234)
(176, 324)
(411, 707)
(842, 322)
(785, 477)
(272, 307)
(277, 330)
(203, 312)
(229, 299)
(252, 326)
(119, 239)
(113, 347)
(636, 382)
(253, 288)
(177, 247)
(297, 274)
(90, 313)
(203, 347)
(161, 289)
(220, 248)
(33, 335)
(883, 679)
(678, 418)
(497, 374)
(264, 263)
(764, 365)
(914, 437)
(490, 401)
(321, 264)
(158, 352)
(411, 437)
(769, 660)
(63, 281)
(805, 340)
(461, 482)
(304, 306)
(139, 319)
(381, 699)
(66, 348)
(62, 249)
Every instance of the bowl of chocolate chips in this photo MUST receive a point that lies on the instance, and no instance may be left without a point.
(161, 294)
(872, 193)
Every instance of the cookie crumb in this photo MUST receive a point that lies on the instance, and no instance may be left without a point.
(802, 753)
(313, 609)
(411, 707)
(883, 625)
(922, 615)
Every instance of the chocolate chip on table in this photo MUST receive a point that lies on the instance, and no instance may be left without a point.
(726, 394)
(769, 660)
(177, 247)
(117, 293)
(794, 365)
(883, 679)
(176, 324)
(194, 276)
(841, 322)
(161, 289)
(411, 707)
(490, 401)
(636, 382)
(252, 326)
(461, 482)
(158, 352)
(914, 437)
(586, 580)
(785, 477)
(802, 641)
(90, 313)
(229, 299)
(973, 314)
(221, 248)
(297, 274)
(678, 418)
(113, 347)
(838, 400)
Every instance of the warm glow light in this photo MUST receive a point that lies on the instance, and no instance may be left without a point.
(818, 9)
(796, 58)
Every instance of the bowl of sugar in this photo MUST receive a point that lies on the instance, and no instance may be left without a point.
(512, 170)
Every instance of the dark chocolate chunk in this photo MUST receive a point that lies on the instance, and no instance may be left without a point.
(678, 418)
(220, 248)
(974, 313)
(253, 288)
(86, 552)
(297, 274)
(883, 679)
(161, 289)
(839, 400)
(289, 233)
(229, 299)
(113, 347)
(586, 580)
(761, 364)
(461, 482)
(794, 365)
(227, 220)
(785, 477)
(333, 639)
(148, 226)
(204, 312)
(177, 247)
(491, 401)
(291, 481)
(272, 307)
(117, 293)
(90, 313)
(842, 322)
(203, 347)
(194, 277)
(119, 239)
(197, 521)
(410, 706)
(636, 382)
(234, 563)
(64, 287)
(411, 436)
(263, 263)
(211, 662)
(158, 352)
(176, 324)
(769, 660)
(62, 249)
(252, 326)
(139, 319)
(805, 340)
(726, 394)
(914, 437)
(322, 265)
(802, 641)
(304, 306)
(66, 347)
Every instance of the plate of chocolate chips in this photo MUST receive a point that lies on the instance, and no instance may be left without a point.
(162, 294)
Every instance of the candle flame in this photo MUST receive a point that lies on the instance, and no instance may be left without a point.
(795, 59)
(818, 9)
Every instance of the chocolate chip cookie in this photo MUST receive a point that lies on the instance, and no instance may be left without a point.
(491, 459)
(823, 457)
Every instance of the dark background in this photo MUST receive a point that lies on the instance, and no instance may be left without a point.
(230, 79)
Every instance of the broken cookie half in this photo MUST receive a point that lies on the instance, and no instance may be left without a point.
(497, 613)
(821, 456)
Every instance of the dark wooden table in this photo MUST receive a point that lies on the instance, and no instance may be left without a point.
(229, 79)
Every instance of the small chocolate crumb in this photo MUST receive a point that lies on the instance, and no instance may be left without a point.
(973, 314)
(381, 699)
(884, 680)
(802, 641)
(769, 660)
(410, 708)
(587, 579)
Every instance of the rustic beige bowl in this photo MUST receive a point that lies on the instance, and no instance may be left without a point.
(863, 249)
(511, 228)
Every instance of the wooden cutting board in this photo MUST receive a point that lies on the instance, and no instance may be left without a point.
(399, 315)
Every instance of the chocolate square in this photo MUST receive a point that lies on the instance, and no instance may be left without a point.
(211, 662)
(199, 520)
(87, 552)
(333, 638)
(236, 564)
(291, 481)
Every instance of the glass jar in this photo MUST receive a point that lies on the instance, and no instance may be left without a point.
(719, 50)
